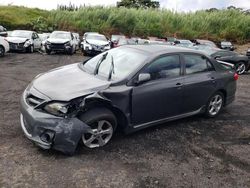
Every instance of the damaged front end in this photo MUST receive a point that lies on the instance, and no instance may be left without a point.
(47, 130)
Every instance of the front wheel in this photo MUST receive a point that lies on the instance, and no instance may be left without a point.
(240, 68)
(102, 123)
(31, 49)
(215, 104)
(2, 51)
(47, 51)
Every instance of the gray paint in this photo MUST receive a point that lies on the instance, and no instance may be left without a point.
(137, 106)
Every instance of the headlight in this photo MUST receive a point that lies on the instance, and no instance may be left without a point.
(47, 43)
(87, 45)
(27, 43)
(57, 109)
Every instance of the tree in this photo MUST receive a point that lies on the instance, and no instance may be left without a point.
(138, 4)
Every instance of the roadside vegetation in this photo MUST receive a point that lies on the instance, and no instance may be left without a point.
(215, 25)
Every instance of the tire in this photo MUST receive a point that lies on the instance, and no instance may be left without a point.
(103, 124)
(2, 51)
(31, 49)
(47, 51)
(215, 104)
(71, 52)
(240, 68)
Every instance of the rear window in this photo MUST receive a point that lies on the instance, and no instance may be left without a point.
(197, 64)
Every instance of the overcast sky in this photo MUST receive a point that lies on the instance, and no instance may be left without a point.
(179, 5)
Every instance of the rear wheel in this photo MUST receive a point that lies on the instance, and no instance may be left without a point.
(240, 68)
(2, 51)
(215, 104)
(102, 124)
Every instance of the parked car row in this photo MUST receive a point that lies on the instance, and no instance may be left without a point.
(94, 43)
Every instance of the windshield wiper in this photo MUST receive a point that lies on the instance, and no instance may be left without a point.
(99, 63)
(112, 68)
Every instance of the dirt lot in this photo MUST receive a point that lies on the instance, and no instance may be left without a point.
(193, 152)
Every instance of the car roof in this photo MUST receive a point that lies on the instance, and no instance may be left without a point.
(24, 30)
(60, 32)
(162, 49)
(95, 34)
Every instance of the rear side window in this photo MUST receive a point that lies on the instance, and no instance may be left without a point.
(164, 67)
(197, 64)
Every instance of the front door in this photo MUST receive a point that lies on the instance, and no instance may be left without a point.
(161, 97)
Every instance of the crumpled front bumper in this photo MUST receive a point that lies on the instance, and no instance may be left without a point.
(63, 134)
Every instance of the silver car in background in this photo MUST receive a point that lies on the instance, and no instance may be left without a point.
(24, 41)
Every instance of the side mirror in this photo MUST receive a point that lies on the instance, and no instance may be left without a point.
(143, 77)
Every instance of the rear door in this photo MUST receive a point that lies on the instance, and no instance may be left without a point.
(161, 97)
(199, 81)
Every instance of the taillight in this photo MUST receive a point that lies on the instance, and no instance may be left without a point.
(236, 76)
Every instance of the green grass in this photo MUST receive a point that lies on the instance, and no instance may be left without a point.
(224, 24)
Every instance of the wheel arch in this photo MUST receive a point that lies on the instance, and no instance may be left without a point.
(122, 120)
(224, 92)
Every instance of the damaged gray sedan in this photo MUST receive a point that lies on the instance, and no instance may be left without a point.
(130, 88)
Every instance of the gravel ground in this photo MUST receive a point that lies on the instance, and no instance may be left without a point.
(192, 152)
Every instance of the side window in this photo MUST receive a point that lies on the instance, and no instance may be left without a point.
(164, 67)
(197, 64)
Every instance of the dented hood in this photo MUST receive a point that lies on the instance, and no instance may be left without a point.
(68, 82)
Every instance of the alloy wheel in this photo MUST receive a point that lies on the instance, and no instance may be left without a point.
(99, 134)
(240, 68)
(215, 105)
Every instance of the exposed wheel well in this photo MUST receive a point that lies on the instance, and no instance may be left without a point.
(121, 118)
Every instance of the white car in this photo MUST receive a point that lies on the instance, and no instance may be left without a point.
(60, 41)
(25, 41)
(4, 46)
(94, 44)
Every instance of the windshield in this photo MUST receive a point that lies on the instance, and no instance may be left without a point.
(122, 62)
(96, 37)
(226, 43)
(185, 42)
(60, 35)
(21, 34)
(43, 36)
(116, 37)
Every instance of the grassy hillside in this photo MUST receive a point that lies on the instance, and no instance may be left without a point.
(225, 24)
